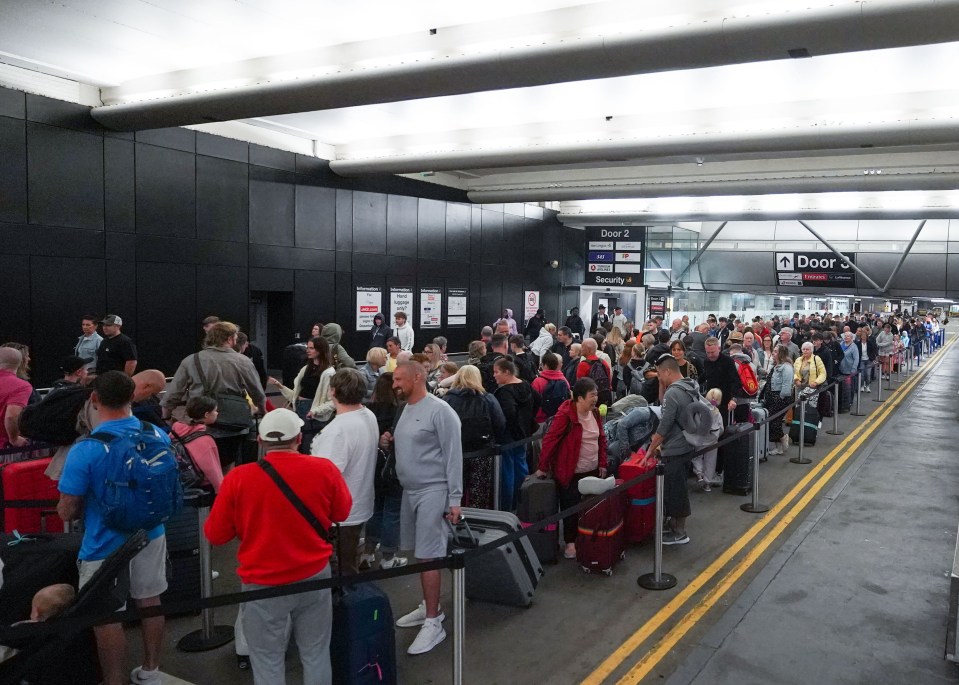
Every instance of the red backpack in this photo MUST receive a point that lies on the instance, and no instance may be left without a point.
(747, 378)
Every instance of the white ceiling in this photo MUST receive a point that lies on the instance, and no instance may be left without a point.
(745, 121)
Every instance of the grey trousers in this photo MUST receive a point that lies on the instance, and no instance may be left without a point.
(265, 623)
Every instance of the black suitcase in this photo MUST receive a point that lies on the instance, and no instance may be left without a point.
(737, 458)
(363, 641)
(538, 500)
(183, 550)
(507, 574)
(812, 425)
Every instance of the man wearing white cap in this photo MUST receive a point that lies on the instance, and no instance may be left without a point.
(279, 545)
(116, 351)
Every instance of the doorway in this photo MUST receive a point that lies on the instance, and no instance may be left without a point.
(271, 324)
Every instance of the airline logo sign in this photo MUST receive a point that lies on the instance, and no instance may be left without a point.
(615, 256)
(815, 269)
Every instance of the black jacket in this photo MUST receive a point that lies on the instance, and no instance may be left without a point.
(597, 321)
(576, 325)
(379, 335)
(533, 327)
(828, 361)
(519, 402)
(486, 370)
(561, 351)
(722, 374)
(256, 356)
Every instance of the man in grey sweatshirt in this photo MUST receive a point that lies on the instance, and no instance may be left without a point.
(670, 444)
(429, 464)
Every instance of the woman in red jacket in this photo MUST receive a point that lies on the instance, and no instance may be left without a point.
(574, 447)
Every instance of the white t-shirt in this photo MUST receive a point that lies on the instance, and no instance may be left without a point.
(350, 441)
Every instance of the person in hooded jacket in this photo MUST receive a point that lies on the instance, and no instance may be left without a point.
(534, 325)
(544, 341)
(477, 471)
(509, 320)
(574, 448)
(575, 323)
(519, 404)
(550, 372)
(333, 333)
(380, 332)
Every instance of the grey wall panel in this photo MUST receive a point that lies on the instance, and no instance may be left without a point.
(315, 222)
(65, 177)
(272, 158)
(165, 191)
(13, 170)
(920, 272)
(224, 148)
(174, 138)
(61, 114)
(119, 188)
(222, 200)
(401, 226)
(728, 270)
(272, 207)
(13, 103)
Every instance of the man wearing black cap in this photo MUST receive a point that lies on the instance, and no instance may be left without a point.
(74, 372)
(600, 319)
(117, 352)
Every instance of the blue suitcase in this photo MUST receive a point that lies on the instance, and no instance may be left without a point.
(363, 643)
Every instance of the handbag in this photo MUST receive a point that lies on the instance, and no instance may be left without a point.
(234, 410)
(295, 500)
(387, 457)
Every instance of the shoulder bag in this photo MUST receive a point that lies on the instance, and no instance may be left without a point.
(295, 500)
(234, 410)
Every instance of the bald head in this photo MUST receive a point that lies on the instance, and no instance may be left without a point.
(10, 358)
(589, 347)
(148, 383)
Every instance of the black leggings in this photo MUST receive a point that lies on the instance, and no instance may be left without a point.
(568, 497)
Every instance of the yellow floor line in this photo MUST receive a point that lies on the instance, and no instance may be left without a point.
(611, 663)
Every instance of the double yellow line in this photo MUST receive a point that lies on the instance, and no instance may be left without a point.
(847, 448)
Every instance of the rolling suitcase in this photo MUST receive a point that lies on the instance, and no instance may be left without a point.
(183, 550)
(538, 500)
(760, 414)
(505, 575)
(641, 498)
(812, 425)
(363, 641)
(25, 480)
(601, 534)
(737, 457)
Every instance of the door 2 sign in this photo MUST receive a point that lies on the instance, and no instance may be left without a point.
(615, 256)
(815, 269)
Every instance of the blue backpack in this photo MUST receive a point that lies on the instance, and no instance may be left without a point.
(143, 480)
(554, 394)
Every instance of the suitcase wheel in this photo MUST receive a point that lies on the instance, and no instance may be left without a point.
(622, 555)
(242, 662)
(608, 572)
(586, 570)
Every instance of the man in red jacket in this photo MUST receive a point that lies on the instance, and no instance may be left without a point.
(279, 546)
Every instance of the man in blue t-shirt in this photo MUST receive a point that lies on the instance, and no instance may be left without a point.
(82, 486)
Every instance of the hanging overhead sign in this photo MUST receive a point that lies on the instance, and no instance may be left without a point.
(815, 269)
(615, 256)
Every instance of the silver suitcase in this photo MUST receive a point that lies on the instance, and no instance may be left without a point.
(507, 574)
(761, 436)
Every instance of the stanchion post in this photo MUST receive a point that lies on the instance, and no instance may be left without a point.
(800, 459)
(878, 397)
(657, 580)
(835, 414)
(857, 379)
(497, 475)
(210, 636)
(459, 614)
(754, 507)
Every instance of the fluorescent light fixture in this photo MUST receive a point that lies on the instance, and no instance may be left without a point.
(658, 269)
(941, 299)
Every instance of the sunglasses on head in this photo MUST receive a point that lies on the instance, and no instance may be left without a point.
(664, 357)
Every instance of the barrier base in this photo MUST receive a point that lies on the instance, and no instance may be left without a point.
(835, 432)
(882, 400)
(648, 581)
(800, 460)
(854, 413)
(754, 509)
(195, 642)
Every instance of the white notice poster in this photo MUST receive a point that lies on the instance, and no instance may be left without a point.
(401, 300)
(456, 307)
(531, 304)
(369, 301)
(431, 307)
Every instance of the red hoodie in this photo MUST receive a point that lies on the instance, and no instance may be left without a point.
(561, 448)
(539, 385)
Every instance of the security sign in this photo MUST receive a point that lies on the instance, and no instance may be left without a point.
(615, 255)
(823, 269)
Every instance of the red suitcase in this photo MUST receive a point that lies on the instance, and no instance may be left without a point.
(601, 534)
(25, 480)
(641, 506)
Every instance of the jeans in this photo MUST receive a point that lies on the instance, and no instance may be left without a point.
(513, 472)
(867, 372)
(384, 525)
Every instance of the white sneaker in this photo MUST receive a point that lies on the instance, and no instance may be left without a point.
(366, 561)
(140, 677)
(395, 562)
(430, 635)
(774, 449)
(417, 617)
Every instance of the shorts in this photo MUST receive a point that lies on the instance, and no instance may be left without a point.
(147, 570)
(422, 525)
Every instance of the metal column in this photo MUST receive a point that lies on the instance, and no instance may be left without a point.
(657, 580)
(459, 614)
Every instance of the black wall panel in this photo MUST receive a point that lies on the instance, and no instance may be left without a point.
(165, 192)
(13, 103)
(274, 257)
(222, 199)
(167, 326)
(121, 246)
(13, 170)
(315, 217)
(369, 222)
(314, 298)
(457, 232)
(492, 236)
(119, 190)
(62, 289)
(65, 177)
(223, 291)
(15, 285)
(121, 295)
(344, 220)
(432, 229)
(280, 280)
(401, 226)
(186, 251)
(61, 114)
(50, 241)
(512, 247)
(272, 206)
(174, 138)
(275, 159)
(224, 148)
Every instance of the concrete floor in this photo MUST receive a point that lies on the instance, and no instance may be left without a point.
(854, 591)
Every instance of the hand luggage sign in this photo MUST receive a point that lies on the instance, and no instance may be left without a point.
(615, 256)
(815, 269)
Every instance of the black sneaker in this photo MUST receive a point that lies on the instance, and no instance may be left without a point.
(673, 538)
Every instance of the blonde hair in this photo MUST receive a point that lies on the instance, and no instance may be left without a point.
(376, 355)
(614, 337)
(714, 396)
(468, 378)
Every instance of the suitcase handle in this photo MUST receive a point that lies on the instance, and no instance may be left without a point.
(471, 542)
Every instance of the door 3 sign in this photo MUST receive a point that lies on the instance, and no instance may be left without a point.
(614, 256)
(821, 269)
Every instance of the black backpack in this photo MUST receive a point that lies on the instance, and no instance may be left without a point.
(190, 474)
(554, 394)
(54, 418)
(486, 373)
(477, 428)
(599, 374)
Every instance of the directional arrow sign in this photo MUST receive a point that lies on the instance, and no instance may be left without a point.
(784, 261)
